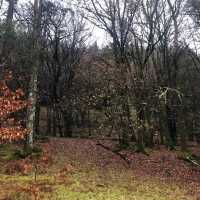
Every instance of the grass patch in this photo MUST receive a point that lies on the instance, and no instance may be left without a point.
(35, 152)
(92, 185)
(120, 186)
(8, 152)
(86, 181)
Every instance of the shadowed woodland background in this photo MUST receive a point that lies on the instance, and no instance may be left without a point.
(80, 120)
(141, 87)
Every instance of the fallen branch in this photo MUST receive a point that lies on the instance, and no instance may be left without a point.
(123, 157)
(194, 162)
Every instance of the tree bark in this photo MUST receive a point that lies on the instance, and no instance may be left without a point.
(37, 119)
(6, 44)
(33, 85)
(67, 124)
(49, 117)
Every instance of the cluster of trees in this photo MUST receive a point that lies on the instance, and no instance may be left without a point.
(141, 87)
(155, 70)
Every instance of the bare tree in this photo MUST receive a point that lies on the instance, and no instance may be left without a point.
(64, 36)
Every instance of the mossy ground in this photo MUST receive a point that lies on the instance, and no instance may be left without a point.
(93, 186)
(7, 152)
(86, 181)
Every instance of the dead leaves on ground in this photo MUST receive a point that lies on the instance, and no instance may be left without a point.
(79, 154)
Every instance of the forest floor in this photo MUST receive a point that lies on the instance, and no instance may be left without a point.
(79, 169)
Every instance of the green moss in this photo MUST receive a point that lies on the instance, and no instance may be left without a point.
(7, 152)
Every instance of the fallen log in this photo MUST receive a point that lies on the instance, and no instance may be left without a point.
(123, 157)
(192, 161)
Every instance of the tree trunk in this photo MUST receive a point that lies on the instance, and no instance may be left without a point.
(32, 108)
(54, 122)
(49, 117)
(6, 44)
(67, 124)
(171, 121)
(37, 119)
(59, 123)
(33, 86)
(161, 129)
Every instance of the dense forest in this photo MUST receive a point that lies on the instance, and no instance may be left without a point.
(135, 96)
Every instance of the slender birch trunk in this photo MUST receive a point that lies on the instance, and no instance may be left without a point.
(33, 85)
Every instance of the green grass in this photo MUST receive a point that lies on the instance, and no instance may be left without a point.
(7, 152)
(94, 185)
(123, 187)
